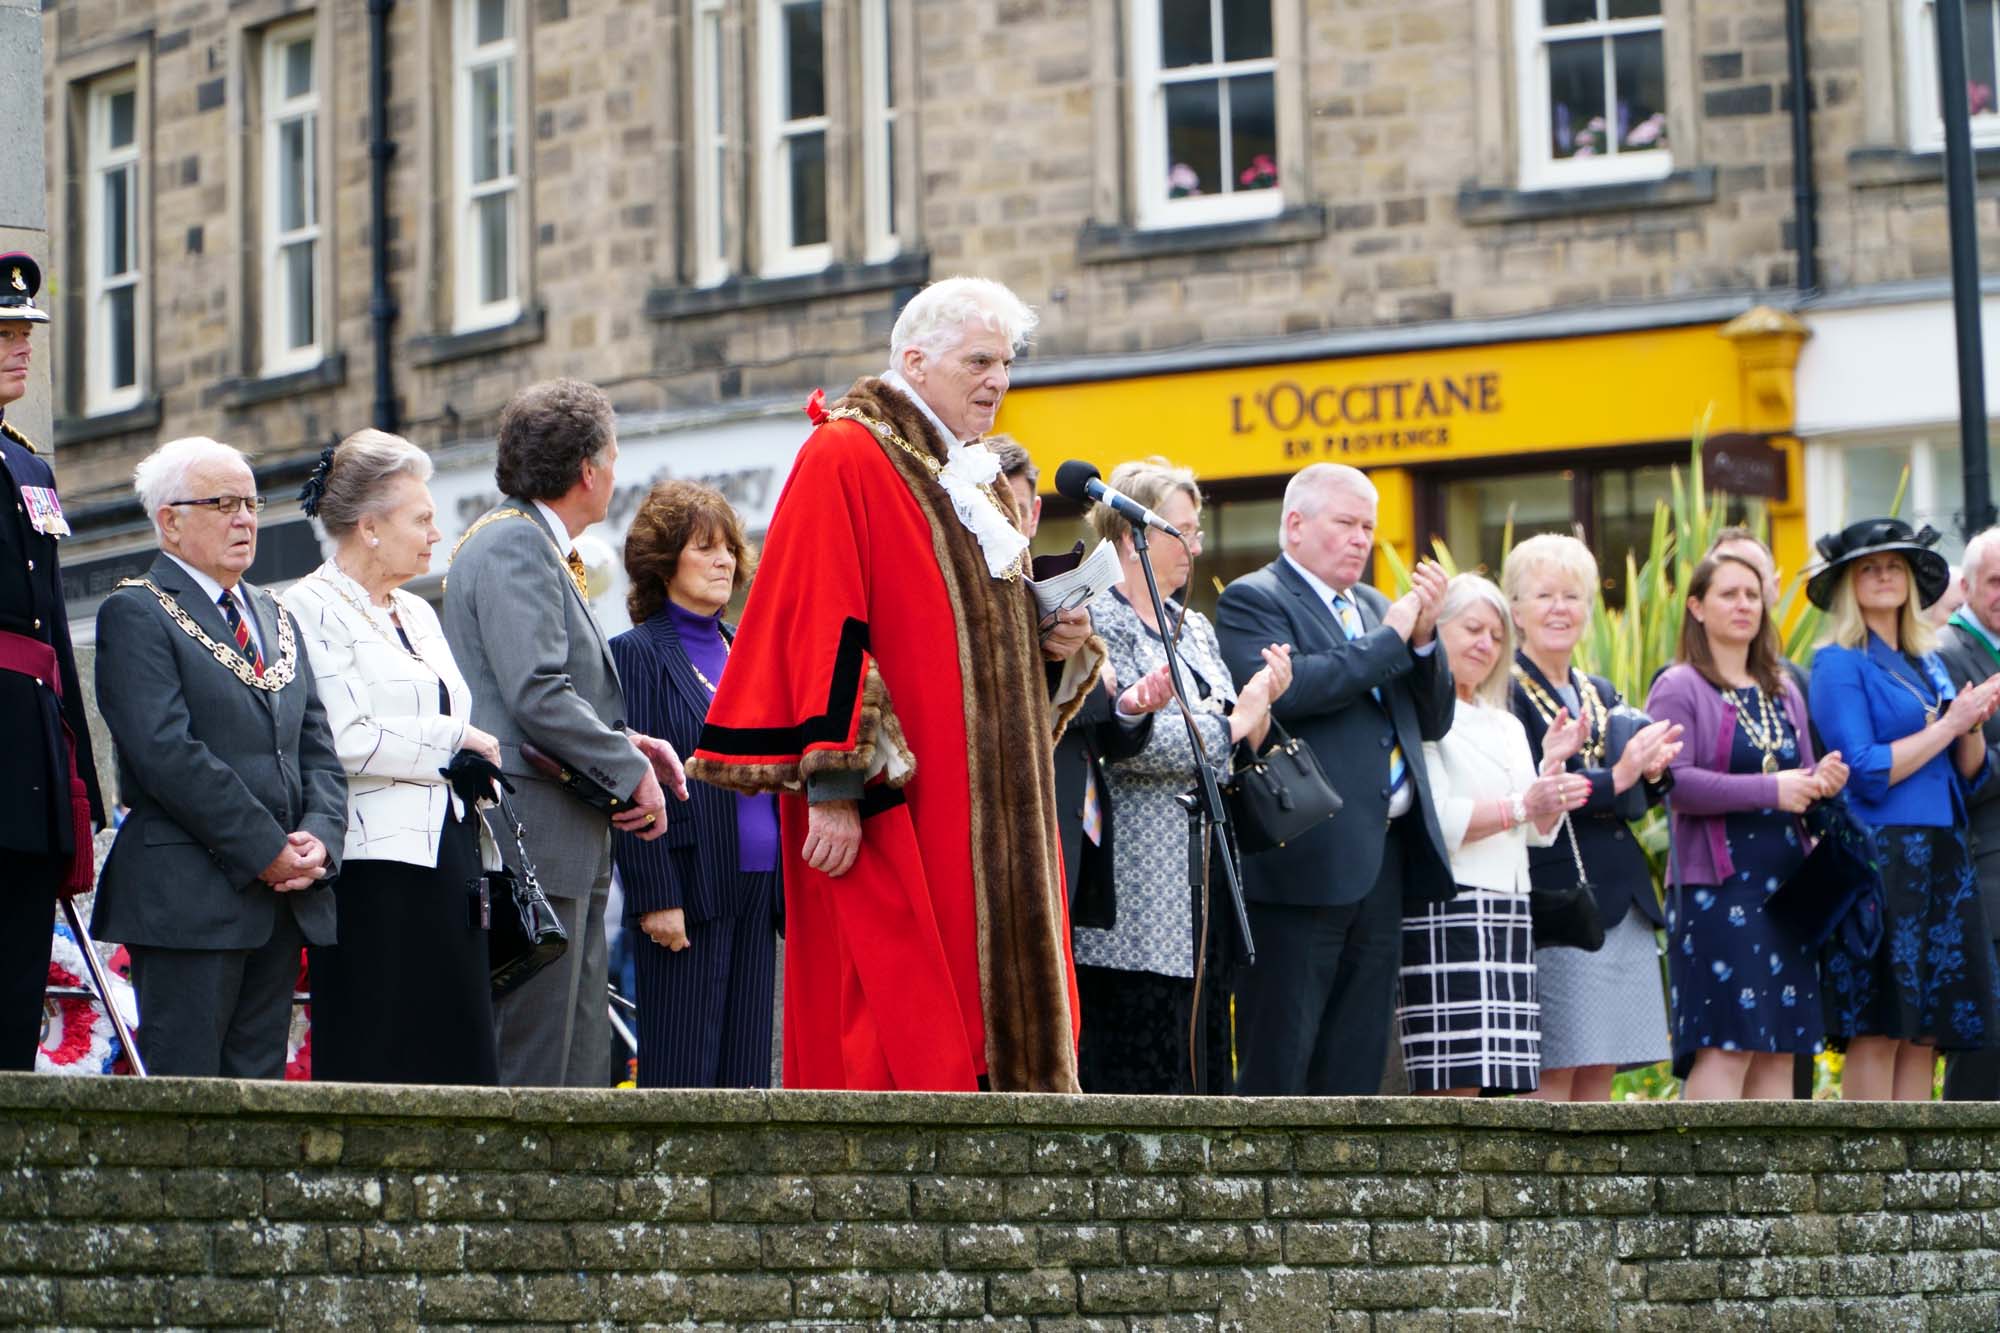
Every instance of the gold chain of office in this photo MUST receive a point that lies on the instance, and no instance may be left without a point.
(883, 431)
(276, 675)
(577, 575)
(1588, 699)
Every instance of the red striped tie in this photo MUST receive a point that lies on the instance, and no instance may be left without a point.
(243, 645)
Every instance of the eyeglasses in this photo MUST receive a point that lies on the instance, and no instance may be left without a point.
(226, 505)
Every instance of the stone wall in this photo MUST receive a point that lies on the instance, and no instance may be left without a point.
(184, 1202)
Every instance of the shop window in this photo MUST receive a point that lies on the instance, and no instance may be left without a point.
(486, 155)
(793, 114)
(709, 146)
(1852, 481)
(878, 126)
(1204, 76)
(1592, 91)
(115, 333)
(290, 210)
(1982, 72)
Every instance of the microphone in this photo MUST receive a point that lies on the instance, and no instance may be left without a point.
(1081, 482)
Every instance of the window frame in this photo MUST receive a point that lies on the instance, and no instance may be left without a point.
(1920, 79)
(1538, 168)
(1153, 209)
(275, 358)
(100, 397)
(467, 59)
(880, 115)
(708, 142)
(778, 257)
(1931, 453)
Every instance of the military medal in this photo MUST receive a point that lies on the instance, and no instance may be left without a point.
(44, 510)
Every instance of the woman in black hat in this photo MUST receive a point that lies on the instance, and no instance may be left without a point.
(1914, 748)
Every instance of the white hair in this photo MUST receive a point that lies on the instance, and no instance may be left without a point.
(1983, 547)
(935, 318)
(1306, 492)
(162, 474)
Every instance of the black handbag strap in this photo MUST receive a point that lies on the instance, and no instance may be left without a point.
(528, 879)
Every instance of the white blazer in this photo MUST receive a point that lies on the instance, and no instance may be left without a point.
(1484, 755)
(382, 706)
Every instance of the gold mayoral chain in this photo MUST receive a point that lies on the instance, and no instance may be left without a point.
(276, 675)
(1587, 698)
(886, 433)
(576, 571)
(1767, 733)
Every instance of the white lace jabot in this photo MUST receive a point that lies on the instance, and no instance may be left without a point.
(968, 470)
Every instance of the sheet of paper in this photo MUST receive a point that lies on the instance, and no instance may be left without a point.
(1076, 587)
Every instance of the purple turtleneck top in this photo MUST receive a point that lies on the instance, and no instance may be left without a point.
(756, 816)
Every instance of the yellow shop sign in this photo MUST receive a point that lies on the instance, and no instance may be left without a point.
(1399, 410)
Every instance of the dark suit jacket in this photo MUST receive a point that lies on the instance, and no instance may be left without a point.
(1619, 874)
(216, 773)
(1094, 735)
(1968, 660)
(694, 864)
(1330, 707)
(34, 758)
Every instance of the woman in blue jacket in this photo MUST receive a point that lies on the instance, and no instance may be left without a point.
(1914, 749)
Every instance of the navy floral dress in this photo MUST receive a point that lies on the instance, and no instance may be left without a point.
(1737, 980)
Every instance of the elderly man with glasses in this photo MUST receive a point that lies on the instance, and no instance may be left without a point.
(238, 800)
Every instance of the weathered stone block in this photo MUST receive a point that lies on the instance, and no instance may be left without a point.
(957, 1199)
(989, 1246)
(268, 1247)
(1682, 1280)
(419, 1248)
(1773, 1193)
(852, 1245)
(1337, 1152)
(1094, 1246)
(1653, 1238)
(1222, 1196)
(645, 1298)
(626, 1246)
(929, 1295)
(1608, 1194)
(687, 1247)
(1038, 1291)
(1038, 1198)
(840, 1296)
(660, 1197)
(893, 1151)
(1874, 1233)
(738, 1296)
(1693, 1194)
(519, 1247)
(985, 1153)
(1122, 1197)
(1842, 1193)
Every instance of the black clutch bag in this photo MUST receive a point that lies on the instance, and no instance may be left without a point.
(524, 934)
(1836, 888)
(1279, 795)
(588, 790)
(1566, 915)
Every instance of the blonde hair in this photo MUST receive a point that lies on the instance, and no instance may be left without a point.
(1846, 626)
(1547, 552)
(1467, 592)
(1149, 481)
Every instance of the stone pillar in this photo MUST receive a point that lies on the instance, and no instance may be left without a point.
(24, 213)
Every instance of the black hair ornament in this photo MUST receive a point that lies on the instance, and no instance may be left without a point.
(314, 488)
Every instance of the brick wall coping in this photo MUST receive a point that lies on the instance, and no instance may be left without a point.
(177, 1096)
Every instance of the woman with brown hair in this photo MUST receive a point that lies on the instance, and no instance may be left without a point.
(1744, 990)
(705, 896)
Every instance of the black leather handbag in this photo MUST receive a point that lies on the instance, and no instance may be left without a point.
(1566, 915)
(1279, 795)
(523, 933)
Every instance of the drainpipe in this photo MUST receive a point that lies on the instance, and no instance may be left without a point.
(1805, 203)
(381, 150)
(1965, 295)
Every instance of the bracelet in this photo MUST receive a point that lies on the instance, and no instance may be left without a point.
(1517, 808)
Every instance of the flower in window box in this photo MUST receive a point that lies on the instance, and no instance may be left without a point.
(1182, 181)
(1648, 133)
(1978, 97)
(1590, 138)
(1261, 174)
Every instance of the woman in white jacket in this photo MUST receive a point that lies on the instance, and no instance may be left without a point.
(1466, 1010)
(405, 994)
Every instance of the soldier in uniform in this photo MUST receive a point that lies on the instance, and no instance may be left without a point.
(52, 801)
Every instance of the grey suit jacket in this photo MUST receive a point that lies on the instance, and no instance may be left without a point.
(540, 669)
(216, 773)
(1968, 661)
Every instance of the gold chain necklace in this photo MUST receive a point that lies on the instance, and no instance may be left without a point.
(581, 581)
(1768, 733)
(1930, 706)
(394, 641)
(1592, 707)
(276, 675)
(883, 431)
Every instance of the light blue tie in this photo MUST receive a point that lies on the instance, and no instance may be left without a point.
(1349, 616)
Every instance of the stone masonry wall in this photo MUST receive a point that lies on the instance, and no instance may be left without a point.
(186, 1202)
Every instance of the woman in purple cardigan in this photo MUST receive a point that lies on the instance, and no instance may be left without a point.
(1743, 991)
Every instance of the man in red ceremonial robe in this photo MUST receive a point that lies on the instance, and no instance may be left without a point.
(892, 683)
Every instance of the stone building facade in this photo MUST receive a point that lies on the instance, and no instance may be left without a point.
(1221, 208)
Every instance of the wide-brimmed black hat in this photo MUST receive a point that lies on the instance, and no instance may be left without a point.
(20, 279)
(1877, 536)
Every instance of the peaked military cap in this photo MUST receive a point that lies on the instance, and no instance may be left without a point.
(20, 280)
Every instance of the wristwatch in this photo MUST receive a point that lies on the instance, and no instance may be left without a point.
(1517, 807)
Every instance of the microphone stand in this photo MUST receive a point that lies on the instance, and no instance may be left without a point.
(1206, 810)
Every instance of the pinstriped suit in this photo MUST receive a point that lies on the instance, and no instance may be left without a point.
(704, 1012)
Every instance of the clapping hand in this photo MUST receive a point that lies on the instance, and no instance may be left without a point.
(1414, 614)
(1554, 794)
(1148, 694)
(1832, 774)
(1563, 739)
(1973, 706)
(1647, 754)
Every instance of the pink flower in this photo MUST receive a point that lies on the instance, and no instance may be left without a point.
(1182, 181)
(1978, 97)
(1260, 174)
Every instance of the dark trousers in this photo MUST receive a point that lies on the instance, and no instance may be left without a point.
(1313, 1015)
(225, 1013)
(705, 1012)
(27, 929)
(1973, 1076)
